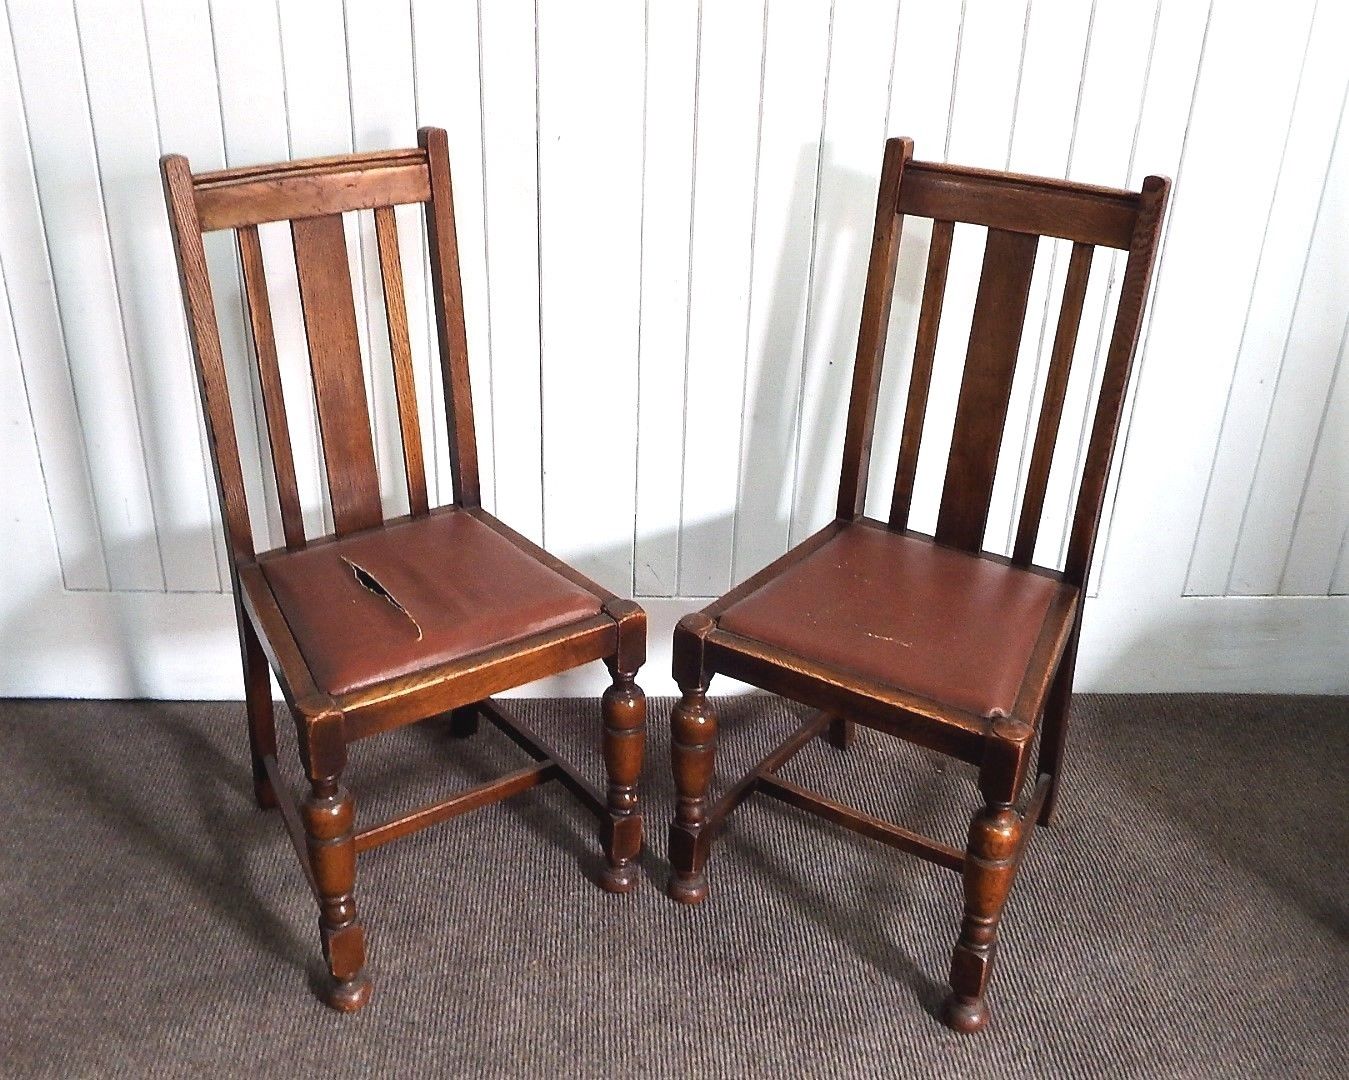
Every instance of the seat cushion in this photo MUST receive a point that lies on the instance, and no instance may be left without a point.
(462, 588)
(951, 627)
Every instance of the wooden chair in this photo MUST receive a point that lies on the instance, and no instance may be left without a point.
(387, 621)
(929, 637)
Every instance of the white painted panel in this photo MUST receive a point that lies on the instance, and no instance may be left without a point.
(576, 187)
(253, 119)
(671, 106)
(1339, 582)
(1042, 142)
(980, 133)
(590, 231)
(1173, 71)
(1292, 212)
(795, 69)
(1201, 293)
(449, 95)
(384, 114)
(730, 80)
(30, 571)
(55, 96)
(1323, 506)
(318, 124)
(127, 146)
(510, 177)
(38, 335)
(1109, 114)
(1304, 384)
(181, 52)
(927, 41)
(855, 123)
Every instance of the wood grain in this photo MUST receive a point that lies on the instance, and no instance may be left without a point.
(400, 352)
(322, 266)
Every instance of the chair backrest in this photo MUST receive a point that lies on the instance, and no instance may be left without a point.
(313, 196)
(1016, 211)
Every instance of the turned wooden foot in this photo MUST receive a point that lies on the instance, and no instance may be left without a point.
(692, 750)
(329, 815)
(624, 713)
(990, 865)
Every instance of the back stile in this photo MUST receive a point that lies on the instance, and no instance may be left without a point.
(400, 349)
(985, 388)
(920, 379)
(1119, 361)
(269, 376)
(204, 335)
(1051, 406)
(871, 337)
(449, 301)
(326, 299)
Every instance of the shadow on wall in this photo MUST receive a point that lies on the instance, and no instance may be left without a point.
(803, 370)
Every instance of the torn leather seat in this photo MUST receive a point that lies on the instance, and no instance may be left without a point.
(463, 585)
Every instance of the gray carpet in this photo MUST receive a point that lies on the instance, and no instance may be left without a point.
(1187, 918)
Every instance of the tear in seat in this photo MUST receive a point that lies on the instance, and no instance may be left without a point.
(907, 612)
(377, 605)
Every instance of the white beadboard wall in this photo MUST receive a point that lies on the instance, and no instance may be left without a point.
(664, 213)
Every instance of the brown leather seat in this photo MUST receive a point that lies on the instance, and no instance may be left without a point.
(463, 588)
(932, 620)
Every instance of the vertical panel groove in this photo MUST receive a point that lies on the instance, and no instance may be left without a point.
(101, 538)
(810, 271)
(1311, 460)
(749, 293)
(955, 80)
(119, 298)
(688, 300)
(538, 263)
(1283, 355)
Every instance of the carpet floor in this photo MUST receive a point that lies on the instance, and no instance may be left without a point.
(1187, 918)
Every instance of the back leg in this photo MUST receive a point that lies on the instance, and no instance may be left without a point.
(261, 721)
(1054, 732)
(463, 722)
(841, 733)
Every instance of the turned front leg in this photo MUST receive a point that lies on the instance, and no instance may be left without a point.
(329, 815)
(990, 864)
(624, 711)
(991, 857)
(692, 750)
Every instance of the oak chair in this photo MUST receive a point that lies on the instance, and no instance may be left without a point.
(385, 622)
(931, 638)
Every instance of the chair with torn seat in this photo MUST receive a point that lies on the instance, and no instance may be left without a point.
(384, 622)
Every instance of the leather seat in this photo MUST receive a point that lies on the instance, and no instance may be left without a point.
(951, 627)
(462, 587)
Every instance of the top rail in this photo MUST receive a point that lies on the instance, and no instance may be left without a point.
(256, 194)
(1082, 213)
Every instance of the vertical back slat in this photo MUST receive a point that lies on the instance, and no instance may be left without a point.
(400, 349)
(204, 334)
(880, 289)
(1119, 361)
(269, 377)
(920, 378)
(322, 265)
(1051, 405)
(985, 389)
(449, 300)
